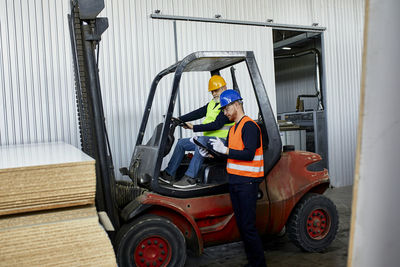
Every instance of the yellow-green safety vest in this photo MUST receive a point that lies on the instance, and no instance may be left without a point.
(212, 113)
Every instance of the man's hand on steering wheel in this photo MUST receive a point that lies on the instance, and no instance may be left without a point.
(188, 125)
(181, 123)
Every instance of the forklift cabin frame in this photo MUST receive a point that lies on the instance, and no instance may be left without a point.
(152, 155)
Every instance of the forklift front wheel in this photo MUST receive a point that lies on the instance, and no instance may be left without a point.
(150, 241)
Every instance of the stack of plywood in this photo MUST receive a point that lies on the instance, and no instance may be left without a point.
(47, 213)
(62, 237)
(44, 176)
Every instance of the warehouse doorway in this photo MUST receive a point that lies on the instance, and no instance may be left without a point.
(300, 101)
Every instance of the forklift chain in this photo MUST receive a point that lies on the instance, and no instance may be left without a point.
(85, 109)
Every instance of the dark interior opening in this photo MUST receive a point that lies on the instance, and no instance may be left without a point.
(300, 94)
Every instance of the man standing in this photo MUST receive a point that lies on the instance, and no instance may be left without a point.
(245, 167)
(215, 124)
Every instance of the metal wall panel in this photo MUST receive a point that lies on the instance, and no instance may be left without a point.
(292, 12)
(134, 49)
(36, 77)
(343, 52)
(197, 36)
(37, 104)
(255, 10)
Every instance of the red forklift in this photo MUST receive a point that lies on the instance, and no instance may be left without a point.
(153, 224)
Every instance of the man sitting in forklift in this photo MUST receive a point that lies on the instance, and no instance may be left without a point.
(215, 124)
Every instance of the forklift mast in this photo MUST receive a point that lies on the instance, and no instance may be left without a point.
(85, 32)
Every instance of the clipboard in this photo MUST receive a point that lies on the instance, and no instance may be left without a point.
(211, 151)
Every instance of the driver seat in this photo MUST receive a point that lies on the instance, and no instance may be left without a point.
(156, 137)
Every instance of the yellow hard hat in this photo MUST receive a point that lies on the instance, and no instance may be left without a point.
(215, 83)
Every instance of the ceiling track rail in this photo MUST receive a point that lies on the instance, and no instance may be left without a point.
(272, 25)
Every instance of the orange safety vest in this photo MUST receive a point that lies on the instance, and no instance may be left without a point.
(253, 168)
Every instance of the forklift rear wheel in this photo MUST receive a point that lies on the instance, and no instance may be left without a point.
(150, 241)
(313, 223)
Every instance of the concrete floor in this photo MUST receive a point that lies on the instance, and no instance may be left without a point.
(280, 252)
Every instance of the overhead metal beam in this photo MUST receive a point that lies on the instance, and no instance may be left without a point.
(241, 22)
(295, 39)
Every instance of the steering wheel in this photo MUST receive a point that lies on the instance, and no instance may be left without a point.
(171, 138)
(178, 122)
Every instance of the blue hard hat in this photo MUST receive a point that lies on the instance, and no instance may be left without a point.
(228, 96)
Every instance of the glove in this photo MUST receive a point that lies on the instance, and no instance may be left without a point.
(203, 152)
(218, 145)
(191, 139)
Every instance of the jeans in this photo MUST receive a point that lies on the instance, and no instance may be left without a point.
(183, 145)
(244, 200)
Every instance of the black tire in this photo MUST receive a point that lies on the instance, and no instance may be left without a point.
(151, 240)
(313, 224)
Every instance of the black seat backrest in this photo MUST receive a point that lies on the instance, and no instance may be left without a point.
(269, 159)
(156, 137)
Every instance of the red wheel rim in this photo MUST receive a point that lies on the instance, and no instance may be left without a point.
(152, 251)
(318, 224)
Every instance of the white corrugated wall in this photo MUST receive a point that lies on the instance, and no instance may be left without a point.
(37, 99)
(343, 41)
(134, 49)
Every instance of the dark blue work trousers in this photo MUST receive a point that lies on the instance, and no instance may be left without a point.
(244, 199)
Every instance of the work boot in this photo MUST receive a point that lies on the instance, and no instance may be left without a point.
(166, 178)
(185, 182)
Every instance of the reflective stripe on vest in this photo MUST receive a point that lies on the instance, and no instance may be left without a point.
(245, 168)
(212, 113)
(253, 168)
